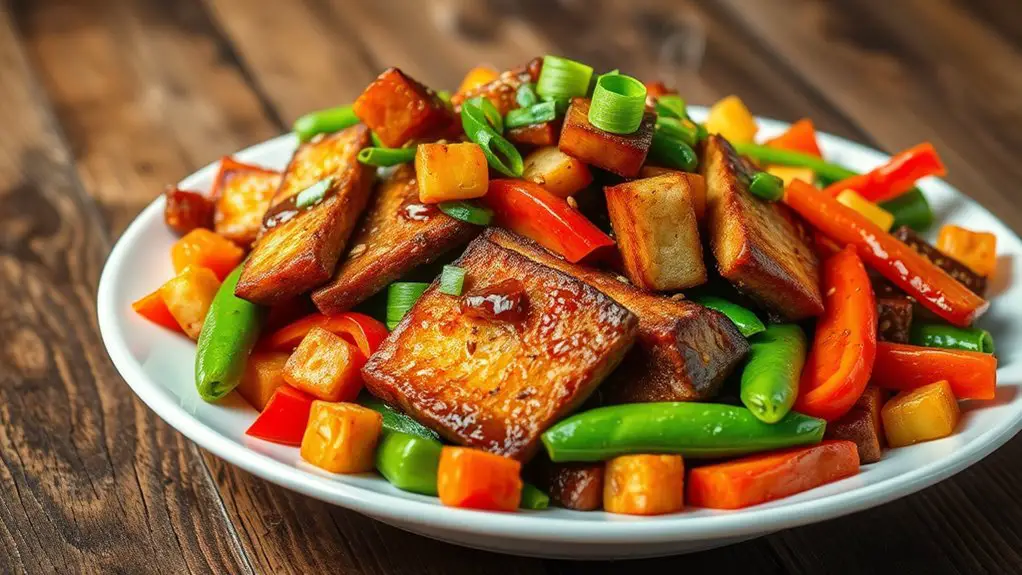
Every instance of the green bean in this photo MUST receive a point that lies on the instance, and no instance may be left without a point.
(746, 321)
(386, 157)
(951, 337)
(324, 122)
(673, 153)
(770, 378)
(684, 130)
(533, 498)
(767, 187)
(783, 157)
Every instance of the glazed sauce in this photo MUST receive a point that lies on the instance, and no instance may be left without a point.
(503, 301)
(417, 212)
(286, 210)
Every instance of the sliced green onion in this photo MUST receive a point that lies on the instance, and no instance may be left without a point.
(563, 79)
(481, 121)
(951, 337)
(618, 104)
(445, 96)
(313, 194)
(376, 140)
(684, 130)
(467, 212)
(767, 186)
(386, 157)
(770, 155)
(595, 79)
(452, 279)
(533, 497)
(673, 153)
(401, 296)
(534, 114)
(671, 106)
(910, 209)
(324, 122)
(526, 95)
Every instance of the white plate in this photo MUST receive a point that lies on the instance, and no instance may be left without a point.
(157, 364)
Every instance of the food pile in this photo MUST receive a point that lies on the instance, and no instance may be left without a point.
(558, 276)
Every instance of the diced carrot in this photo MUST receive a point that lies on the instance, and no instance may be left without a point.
(761, 478)
(448, 172)
(341, 437)
(153, 308)
(205, 249)
(901, 367)
(800, 137)
(476, 77)
(477, 479)
(326, 367)
(978, 250)
(188, 297)
(264, 373)
(284, 418)
(922, 414)
(644, 484)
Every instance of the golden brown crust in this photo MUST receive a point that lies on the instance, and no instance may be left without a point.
(300, 254)
(397, 234)
(758, 245)
(684, 351)
(498, 385)
(243, 193)
(503, 91)
(621, 154)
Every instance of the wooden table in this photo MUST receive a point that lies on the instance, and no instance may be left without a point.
(103, 102)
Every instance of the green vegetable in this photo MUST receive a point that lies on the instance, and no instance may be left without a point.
(409, 462)
(324, 122)
(386, 157)
(533, 497)
(671, 106)
(746, 321)
(535, 114)
(401, 296)
(313, 194)
(445, 96)
(684, 130)
(452, 279)
(376, 140)
(483, 125)
(910, 209)
(618, 104)
(696, 430)
(562, 79)
(950, 337)
(394, 420)
(767, 187)
(771, 374)
(467, 212)
(672, 153)
(228, 335)
(526, 95)
(770, 155)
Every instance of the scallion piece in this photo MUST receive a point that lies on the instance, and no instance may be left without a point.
(467, 212)
(376, 140)
(324, 122)
(313, 194)
(452, 279)
(526, 95)
(386, 157)
(767, 187)
(534, 114)
(482, 124)
(672, 152)
(401, 296)
(445, 96)
(563, 79)
(618, 104)
(671, 106)
(684, 130)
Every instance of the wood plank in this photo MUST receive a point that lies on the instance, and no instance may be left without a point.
(90, 481)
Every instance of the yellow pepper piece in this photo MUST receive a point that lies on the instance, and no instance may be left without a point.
(978, 250)
(341, 437)
(448, 172)
(731, 119)
(922, 414)
(791, 173)
(873, 212)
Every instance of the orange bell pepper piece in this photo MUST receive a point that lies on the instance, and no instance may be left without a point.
(205, 249)
(978, 250)
(800, 137)
(153, 308)
(760, 478)
(476, 77)
(341, 437)
(899, 366)
(477, 479)
(922, 414)
(896, 177)
(644, 484)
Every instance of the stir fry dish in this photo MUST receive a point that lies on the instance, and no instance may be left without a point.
(554, 286)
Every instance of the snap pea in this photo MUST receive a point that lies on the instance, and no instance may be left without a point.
(409, 462)
(767, 186)
(951, 337)
(746, 321)
(228, 335)
(695, 430)
(770, 378)
(324, 122)
(672, 152)
(394, 420)
(533, 497)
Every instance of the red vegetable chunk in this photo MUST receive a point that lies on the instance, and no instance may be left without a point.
(399, 109)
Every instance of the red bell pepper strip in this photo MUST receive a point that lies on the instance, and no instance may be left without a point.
(896, 177)
(153, 308)
(839, 363)
(901, 367)
(917, 276)
(800, 137)
(363, 331)
(530, 210)
(284, 418)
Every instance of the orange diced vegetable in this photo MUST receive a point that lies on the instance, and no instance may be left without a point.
(448, 172)
(800, 137)
(874, 213)
(644, 484)
(790, 173)
(205, 249)
(978, 250)
(341, 437)
(399, 109)
(730, 118)
(925, 413)
(264, 373)
(188, 297)
(153, 308)
(477, 479)
(476, 77)
(622, 154)
(557, 172)
(760, 478)
(326, 367)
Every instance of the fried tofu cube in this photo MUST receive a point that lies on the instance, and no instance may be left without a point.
(696, 184)
(758, 246)
(188, 296)
(657, 232)
(325, 366)
(862, 425)
(542, 134)
(184, 211)
(622, 154)
(496, 383)
(448, 172)
(557, 172)
(341, 437)
(398, 234)
(243, 193)
(503, 90)
(399, 109)
(684, 351)
(301, 250)
(264, 373)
